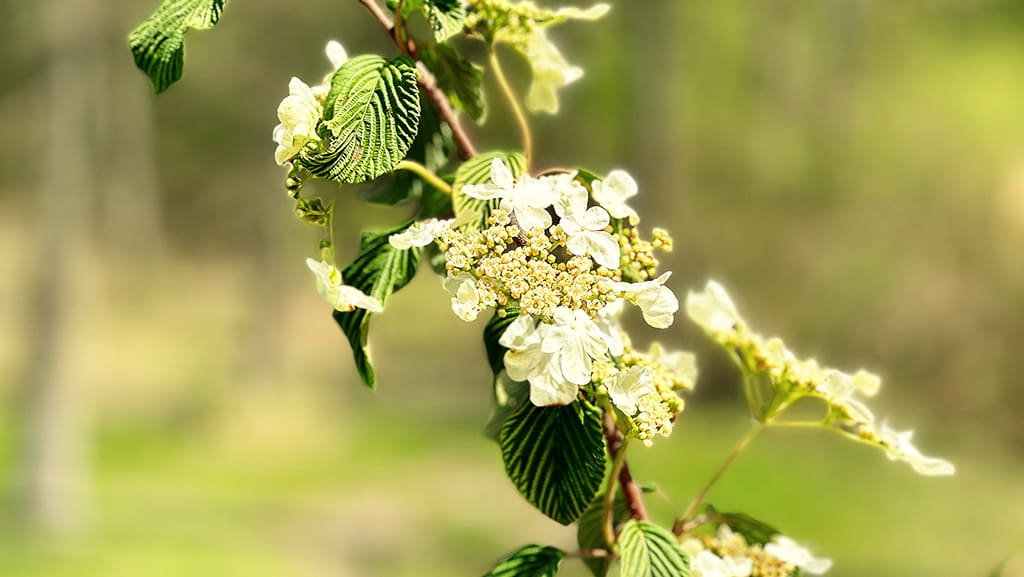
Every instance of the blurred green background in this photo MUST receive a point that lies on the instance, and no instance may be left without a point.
(176, 400)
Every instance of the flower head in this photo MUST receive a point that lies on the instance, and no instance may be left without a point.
(527, 199)
(585, 229)
(578, 340)
(627, 388)
(341, 296)
(419, 233)
(613, 192)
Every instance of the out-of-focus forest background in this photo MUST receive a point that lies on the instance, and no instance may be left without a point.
(176, 400)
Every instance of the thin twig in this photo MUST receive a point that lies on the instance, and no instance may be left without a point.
(744, 442)
(427, 82)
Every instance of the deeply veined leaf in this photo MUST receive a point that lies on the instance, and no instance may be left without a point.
(477, 170)
(158, 43)
(648, 550)
(460, 79)
(530, 561)
(371, 115)
(432, 148)
(555, 457)
(379, 270)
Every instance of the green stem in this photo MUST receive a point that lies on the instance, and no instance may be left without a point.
(426, 174)
(796, 424)
(608, 521)
(740, 447)
(524, 125)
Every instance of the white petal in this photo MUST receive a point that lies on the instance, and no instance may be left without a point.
(595, 218)
(547, 390)
(658, 306)
(501, 175)
(336, 54)
(352, 297)
(604, 249)
(530, 218)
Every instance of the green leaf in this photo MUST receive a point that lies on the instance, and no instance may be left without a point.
(590, 530)
(447, 18)
(158, 43)
(379, 270)
(372, 113)
(530, 561)
(754, 531)
(555, 457)
(648, 550)
(509, 396)
(492, 333)
(461, 79)
(477, 170)
(432, 148)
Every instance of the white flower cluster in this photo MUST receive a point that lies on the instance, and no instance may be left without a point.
(727, 554)
(550, 255)
(792, 378)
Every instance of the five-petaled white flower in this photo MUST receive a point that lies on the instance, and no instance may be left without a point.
(419, 233)
(788, 550)
(299, 114)
(625, 389)
(898, 446)
(577, 339)
(526, 361)
(341, 296)
(613, 192)
(528, 199)
(656, 301)
(585, 229)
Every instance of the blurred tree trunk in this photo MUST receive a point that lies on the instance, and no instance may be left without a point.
(53, 478)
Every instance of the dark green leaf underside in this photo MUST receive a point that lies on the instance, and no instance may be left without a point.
(555, 457)
(379, 270)
(530, 561)
(158, 43)
(459, 78)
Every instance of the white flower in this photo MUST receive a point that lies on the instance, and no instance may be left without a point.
(898, 446)
(528, 199)
(613, 192)
(656, 301)
(299, 114)
(577, 339)
(342, 297)
(627, 388)
(707, 564)
(714, 311)
(465, 297)
(419, 233)
(585, 229)
(789, 551)
(526, 361)
(337, 56)
(608, 323)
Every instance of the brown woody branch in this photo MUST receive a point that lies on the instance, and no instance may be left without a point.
(630, 490)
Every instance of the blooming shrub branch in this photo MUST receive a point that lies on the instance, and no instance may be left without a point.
(547, 262)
